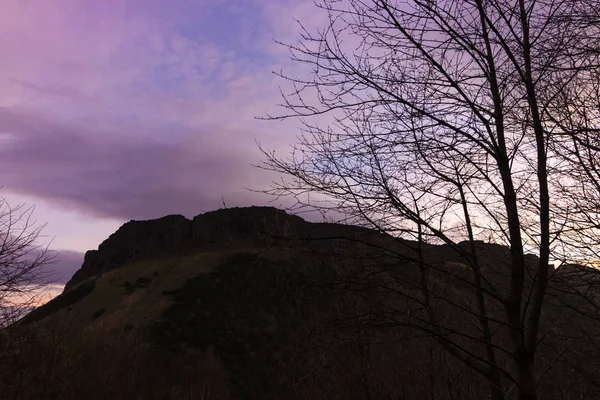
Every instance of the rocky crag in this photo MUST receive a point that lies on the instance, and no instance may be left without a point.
(177, 235)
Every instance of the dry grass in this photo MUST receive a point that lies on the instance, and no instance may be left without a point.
(260, 324)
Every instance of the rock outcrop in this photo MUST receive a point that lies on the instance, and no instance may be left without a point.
(175, 234)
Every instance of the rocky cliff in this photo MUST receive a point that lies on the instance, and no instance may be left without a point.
(175, 234)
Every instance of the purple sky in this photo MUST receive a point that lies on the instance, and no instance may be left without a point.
(133, 109)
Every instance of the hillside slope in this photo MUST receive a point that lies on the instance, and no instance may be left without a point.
(254, 303)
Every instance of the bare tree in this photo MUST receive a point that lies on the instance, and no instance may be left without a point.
(451, 122)
(22, 260)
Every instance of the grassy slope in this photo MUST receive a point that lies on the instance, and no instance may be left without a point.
(235, 303)
(133, 295)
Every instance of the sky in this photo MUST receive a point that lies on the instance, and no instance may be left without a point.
(134, 109)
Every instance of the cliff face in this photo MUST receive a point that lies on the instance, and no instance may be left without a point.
(175, 234)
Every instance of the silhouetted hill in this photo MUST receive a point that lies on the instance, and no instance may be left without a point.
(254, 303)
(174, 234)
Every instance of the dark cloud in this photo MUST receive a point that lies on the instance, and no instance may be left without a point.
(65, 265)
(139, 172)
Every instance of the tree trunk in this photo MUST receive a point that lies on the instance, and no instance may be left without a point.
(526, 375)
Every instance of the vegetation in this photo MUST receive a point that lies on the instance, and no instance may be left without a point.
(298, 319)
(455, 122)
(22, 260)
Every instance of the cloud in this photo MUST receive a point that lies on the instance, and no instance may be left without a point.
(67, 262)
(135, 175)
(133, 109)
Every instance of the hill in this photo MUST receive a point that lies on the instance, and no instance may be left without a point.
(254, 303)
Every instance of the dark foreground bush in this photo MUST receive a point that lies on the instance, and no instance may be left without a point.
(47, 365)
